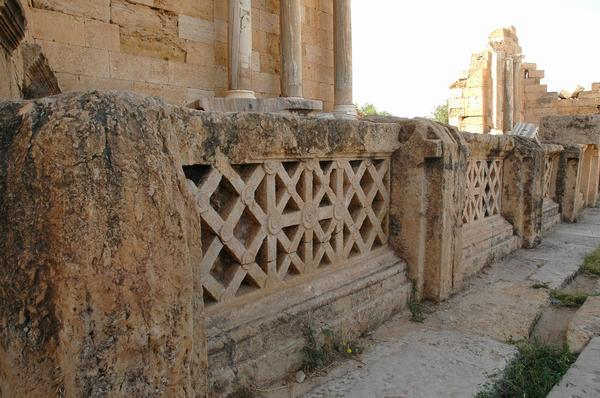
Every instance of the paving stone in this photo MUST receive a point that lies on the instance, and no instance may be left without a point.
(423, 364)
(583, 379)
(502, 310)
(585, 325)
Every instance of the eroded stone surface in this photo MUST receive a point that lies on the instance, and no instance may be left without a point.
(585, 325)
(583, 379)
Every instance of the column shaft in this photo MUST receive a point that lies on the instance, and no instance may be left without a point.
(291, 48)
(240, 49)
(342, 26)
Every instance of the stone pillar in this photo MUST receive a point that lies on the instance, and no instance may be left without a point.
(509, 92)
(498, 58)
(240, 49)
(568, 182)
(342, 45)
(426, 212)
(291, 48)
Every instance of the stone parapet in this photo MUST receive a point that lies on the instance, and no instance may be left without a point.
(132, 226)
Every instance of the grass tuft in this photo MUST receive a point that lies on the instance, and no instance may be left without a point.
(318, 355)
(540, 286)
(591, 263)
(417, 311)
(575, 300)
(537, 369)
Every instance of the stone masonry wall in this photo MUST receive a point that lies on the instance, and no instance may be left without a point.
(173, 48)
(540, 103)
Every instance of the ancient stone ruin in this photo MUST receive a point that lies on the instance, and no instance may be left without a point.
(499, 90)
(154, 249)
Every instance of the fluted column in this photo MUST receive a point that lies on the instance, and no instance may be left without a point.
(291, 48)
(240, 49)
(342, 44)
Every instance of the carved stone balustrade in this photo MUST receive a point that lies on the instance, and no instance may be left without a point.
(579, 168)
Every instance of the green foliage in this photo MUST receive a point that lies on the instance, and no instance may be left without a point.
(317, 355)
(568, 299)
(538, 368)
(591, 264)
(416, 309)
(440, 114)
(370, 110)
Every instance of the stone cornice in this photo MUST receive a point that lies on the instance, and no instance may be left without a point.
(12, 24)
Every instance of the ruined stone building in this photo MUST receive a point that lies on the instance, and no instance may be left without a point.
(153, 249)
(499, 90)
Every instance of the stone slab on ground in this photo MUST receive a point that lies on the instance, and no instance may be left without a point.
(424, 364)
(503, 310)
(583, 379)
(585, 325)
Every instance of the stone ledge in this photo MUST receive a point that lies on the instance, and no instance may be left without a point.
(262, 341)
(585, 325)
(267, 105)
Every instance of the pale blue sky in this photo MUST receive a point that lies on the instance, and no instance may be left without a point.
(407, 53)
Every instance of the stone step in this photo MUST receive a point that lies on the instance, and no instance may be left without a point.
(585, 325)
(583, 379)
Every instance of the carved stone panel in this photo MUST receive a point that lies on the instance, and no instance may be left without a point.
(264, 224)
(484, 189)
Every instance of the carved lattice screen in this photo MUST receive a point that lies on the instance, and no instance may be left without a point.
(484, 189)
(263, 224)
(548, 173)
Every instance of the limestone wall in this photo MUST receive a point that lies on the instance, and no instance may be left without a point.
(173, 48)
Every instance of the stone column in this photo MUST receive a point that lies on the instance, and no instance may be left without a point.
(291, 48)
(240, 49)
(342, 45)
(498, 58)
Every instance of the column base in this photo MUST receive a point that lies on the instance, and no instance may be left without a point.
(245, 94)
(345, 112)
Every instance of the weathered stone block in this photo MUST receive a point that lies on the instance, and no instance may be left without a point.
(133, 67)
(97, 9)
(196, 29)
(76, 60)
(86, 315)
(52, 26)
(102, 35)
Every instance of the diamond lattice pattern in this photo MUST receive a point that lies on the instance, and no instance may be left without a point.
(263, 224)
(484, 189)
